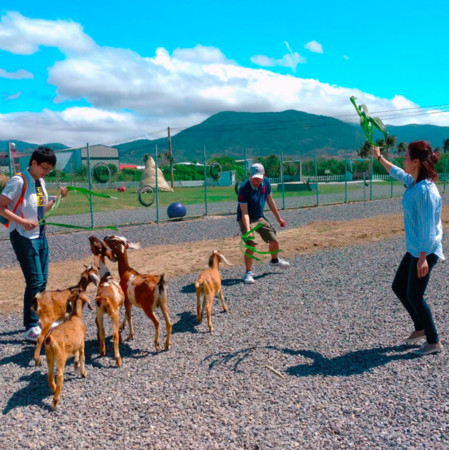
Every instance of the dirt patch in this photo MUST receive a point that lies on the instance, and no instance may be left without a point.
(182, 259)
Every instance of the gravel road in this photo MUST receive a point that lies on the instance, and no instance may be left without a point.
(329, 326)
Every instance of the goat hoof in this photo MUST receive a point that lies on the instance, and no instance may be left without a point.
(38, 362)
(118, 362)
(84, 374)
(54, 405)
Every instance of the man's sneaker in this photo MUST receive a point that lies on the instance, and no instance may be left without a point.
(281, 263)
(32, 334)
(248, 278)
(415, 337)
(428, 349)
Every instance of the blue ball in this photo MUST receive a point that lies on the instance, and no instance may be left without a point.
(176, 210)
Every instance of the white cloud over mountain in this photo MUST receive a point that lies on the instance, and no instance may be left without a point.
(129, 95)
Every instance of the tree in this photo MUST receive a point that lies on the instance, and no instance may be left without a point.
(401, 148)
(365, 150)
(272, 166)
(446, 146)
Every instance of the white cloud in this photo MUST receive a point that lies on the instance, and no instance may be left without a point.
(130, 95)
(18, 75)
(314, 47)
(24, 36)
(13, 96)
(290, 60)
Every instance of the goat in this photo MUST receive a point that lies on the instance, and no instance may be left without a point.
(142, 290)
(209, 284)
(50, 306)
(110, 297)
(66, 341)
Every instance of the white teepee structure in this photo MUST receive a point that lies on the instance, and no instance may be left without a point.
(149, 176)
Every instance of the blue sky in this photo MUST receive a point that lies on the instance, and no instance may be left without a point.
(97, 71)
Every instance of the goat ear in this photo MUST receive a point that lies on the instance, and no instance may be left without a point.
(111, 256)
(222, 257)
(135, 246)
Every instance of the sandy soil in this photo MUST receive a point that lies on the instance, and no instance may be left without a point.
(175, 260)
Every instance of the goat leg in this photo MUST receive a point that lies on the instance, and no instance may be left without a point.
(223, 304)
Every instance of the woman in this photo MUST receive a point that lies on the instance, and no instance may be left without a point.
(423, 235)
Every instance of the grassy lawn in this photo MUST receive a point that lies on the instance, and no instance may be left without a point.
(77, 203)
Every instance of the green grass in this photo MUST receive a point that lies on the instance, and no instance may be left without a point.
(77, 203)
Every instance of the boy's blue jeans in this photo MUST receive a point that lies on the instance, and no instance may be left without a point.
(410, 290)
(32, 255)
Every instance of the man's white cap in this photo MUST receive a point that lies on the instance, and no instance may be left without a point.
(257, 171)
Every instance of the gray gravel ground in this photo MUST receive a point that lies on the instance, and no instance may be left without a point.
(73, 246)
(330, 325)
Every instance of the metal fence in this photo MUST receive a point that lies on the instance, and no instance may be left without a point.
(215, 193)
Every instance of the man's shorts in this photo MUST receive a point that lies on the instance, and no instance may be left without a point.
(266, 231)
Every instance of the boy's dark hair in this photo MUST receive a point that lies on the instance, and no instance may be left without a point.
(43, 155)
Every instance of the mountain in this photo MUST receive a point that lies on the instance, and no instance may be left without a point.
(297, 134)
(27, 147)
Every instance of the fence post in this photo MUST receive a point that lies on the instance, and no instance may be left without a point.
(346, 181)
(89, 177)
(11, 145)
(157, 188)
(316, 182)
(205, 180)
(391, 189)
(371, 178)
(282, 179)
(364, 188)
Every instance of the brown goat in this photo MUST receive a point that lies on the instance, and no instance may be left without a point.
(109, 299)
(142, 290)
(66, 341)
(209, 284)
(50, 306)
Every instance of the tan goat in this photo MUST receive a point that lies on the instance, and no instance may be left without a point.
(209, 284)
(109, 299)
(50, 306)
(66, 341)
(142, 290)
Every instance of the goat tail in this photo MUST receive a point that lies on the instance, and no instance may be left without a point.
(162, 285)
(49, 341)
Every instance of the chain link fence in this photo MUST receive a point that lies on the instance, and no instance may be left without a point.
(160, 189)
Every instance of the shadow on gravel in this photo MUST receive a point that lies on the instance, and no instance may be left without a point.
(21, 359)
(353, 363)
(31, 394)
(93, 356)
(188, 289)
(186, 323)
(9, 333)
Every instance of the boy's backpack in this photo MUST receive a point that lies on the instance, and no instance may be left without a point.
(5, 221)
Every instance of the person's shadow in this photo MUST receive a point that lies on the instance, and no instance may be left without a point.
(348, 364)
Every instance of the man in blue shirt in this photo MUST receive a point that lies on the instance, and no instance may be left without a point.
(253, 194)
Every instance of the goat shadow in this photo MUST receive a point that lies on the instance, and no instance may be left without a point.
(22, 358)
(32, 394)
(94, 359)
(346, 365)
(186, 324)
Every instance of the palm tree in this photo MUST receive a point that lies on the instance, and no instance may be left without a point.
(446, 146)
(365, 150)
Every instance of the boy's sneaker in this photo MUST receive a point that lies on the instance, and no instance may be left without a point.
(32, 334)
(248, 278)
(281, 263)
(428, 349)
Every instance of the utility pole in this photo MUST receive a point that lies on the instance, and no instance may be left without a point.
(170, 157)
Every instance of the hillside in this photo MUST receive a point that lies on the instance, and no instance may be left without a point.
(297, 134)
(27, 147)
